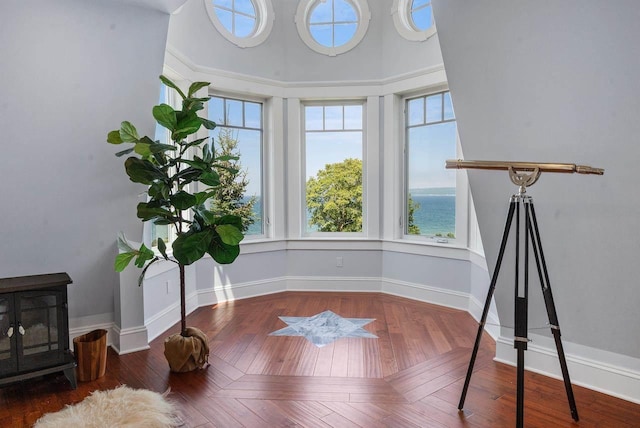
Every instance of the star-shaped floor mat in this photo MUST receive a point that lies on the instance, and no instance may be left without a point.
(324, 328)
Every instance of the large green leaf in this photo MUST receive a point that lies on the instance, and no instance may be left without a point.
(128, 132)
(207, 155)
(187, 124)
(207, 216)
(193, 105)
(123, 259)
(172, 85)
(189, 248)
(208, 123)
(165, 115)
(231, 219)
(229, 234)
(183, 200)
(146, 212)
(157, 147)
(210, 178)
(196, 163)
(144, 255)
(195, 87)
(114, 137)
(162, 247)
(202, 197)
(142, 171)
(187, 175)
(223, 253)
(143, 149)
(159, 190)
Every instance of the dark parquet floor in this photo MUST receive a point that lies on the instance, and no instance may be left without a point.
(411, 376)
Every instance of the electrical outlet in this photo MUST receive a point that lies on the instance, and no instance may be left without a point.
(339, 262)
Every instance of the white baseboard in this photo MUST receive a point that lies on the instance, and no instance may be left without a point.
(245, 290)
(333, 283)
(165, 319)
(129, 339)
(602, 371)
(83, 325)
(425, 293)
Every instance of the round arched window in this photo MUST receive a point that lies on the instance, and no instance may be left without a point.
(245, 23)
(332, 27)
(414, 19)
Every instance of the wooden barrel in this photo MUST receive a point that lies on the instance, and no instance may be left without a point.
(91, 355)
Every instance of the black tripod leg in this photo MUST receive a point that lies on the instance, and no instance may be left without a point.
(521, 319)
(487, 303)
(551, 308)
(520, 389)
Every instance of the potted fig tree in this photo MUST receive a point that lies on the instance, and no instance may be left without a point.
(171, 171)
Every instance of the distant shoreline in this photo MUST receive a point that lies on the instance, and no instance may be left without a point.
(433, 191)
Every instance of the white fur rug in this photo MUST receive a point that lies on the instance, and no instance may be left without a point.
(120, 407)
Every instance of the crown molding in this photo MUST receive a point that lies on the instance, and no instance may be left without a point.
(176, 63)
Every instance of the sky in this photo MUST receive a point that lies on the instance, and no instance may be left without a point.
(334, 133)
(247, 115)
(238, 17)
(429, 143)
(426, 161)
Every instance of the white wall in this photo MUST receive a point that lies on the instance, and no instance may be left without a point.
(557, 82)
(284, 57)
(70, 72)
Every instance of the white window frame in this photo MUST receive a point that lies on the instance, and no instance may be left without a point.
(401, 13)
(303, 185)
(462, 185)
(302, 23)
(171, 99)
(265, 17)
(263, 163)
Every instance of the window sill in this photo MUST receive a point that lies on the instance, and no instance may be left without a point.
(427, 248)
(423, 248)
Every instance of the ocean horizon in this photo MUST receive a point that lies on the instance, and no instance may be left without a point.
(435, 212)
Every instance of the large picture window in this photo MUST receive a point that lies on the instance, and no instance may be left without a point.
(333, 141)
(431, 139)
(239, 135)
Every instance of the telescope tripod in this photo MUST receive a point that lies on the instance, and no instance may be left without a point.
(531, 239)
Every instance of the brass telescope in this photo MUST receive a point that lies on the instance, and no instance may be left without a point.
(522, 166)
(522, 174)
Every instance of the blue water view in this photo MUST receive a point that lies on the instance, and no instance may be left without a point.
(436, 214)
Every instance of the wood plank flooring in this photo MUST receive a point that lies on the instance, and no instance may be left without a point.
(411, 376)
